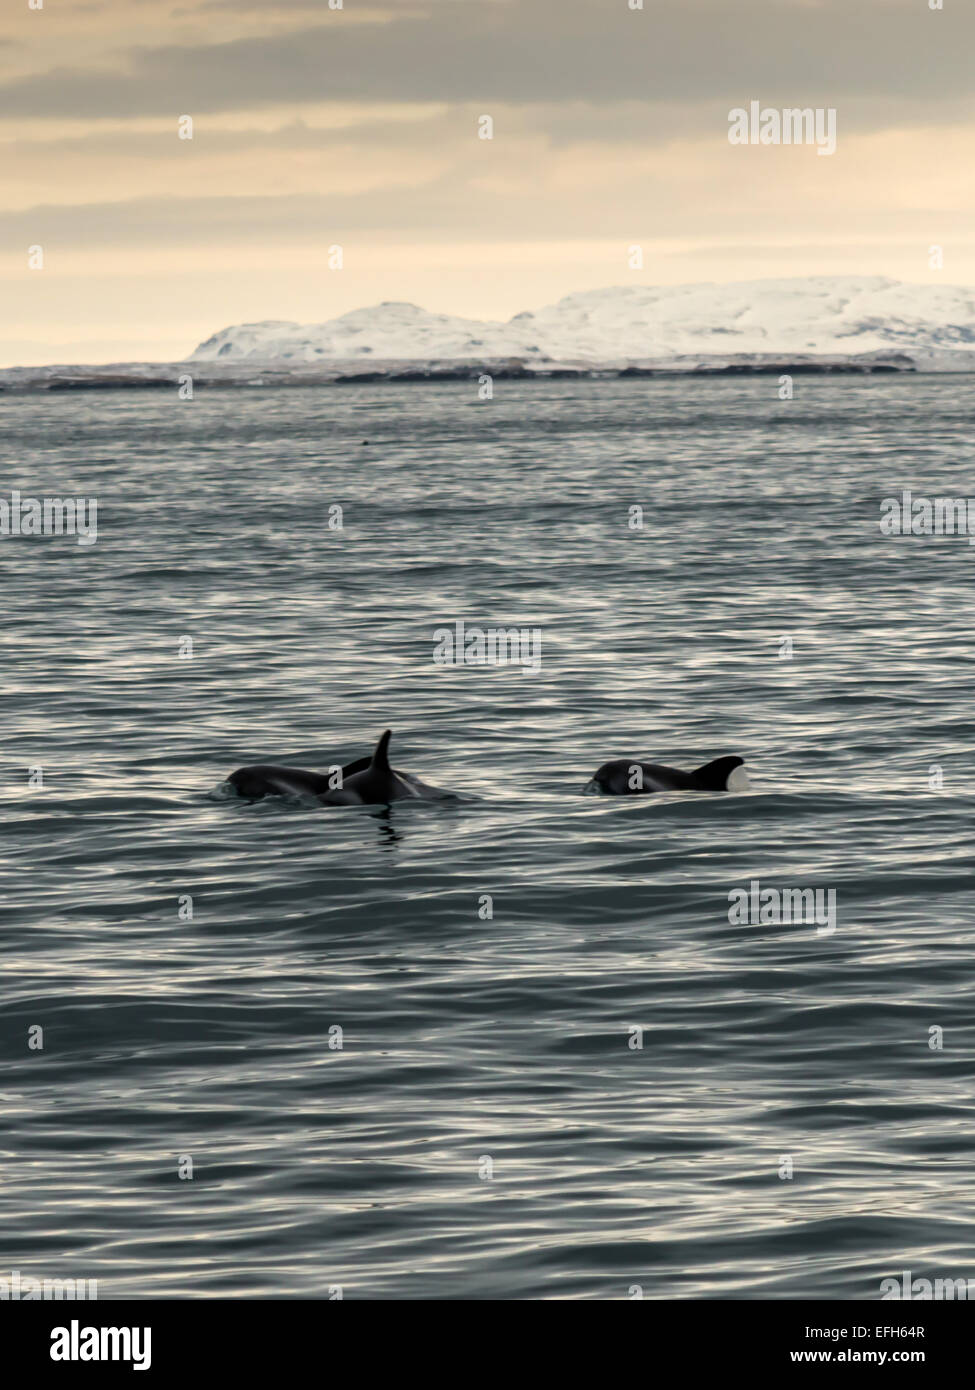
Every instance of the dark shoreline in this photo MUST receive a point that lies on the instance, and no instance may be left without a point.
(207, 375)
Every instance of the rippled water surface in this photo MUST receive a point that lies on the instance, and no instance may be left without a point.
(487, 1128)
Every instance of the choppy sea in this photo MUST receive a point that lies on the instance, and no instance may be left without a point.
(509, 1046)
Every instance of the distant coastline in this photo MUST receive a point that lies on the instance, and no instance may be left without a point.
(127, 376)
(805, 325)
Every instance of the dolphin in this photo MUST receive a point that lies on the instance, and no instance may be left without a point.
(377, 783)
(366, 781)
(266, 779)
(628, 777)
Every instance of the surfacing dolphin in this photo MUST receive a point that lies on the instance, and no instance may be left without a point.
(366, 781)
(378, 783)
(627, 777)
(266, 779)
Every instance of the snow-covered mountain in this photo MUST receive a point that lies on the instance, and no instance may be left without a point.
(820, 314)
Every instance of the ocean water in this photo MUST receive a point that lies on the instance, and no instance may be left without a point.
(381, 1088)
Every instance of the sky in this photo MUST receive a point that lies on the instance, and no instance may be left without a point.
(360, 127)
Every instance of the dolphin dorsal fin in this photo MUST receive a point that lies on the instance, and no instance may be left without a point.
(714, 776)
(380, 759)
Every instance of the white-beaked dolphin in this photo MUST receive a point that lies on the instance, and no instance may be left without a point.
(629, 777)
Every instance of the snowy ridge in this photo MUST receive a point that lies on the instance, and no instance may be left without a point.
(821, 314)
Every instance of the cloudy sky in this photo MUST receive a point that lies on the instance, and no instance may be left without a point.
(358, 127)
